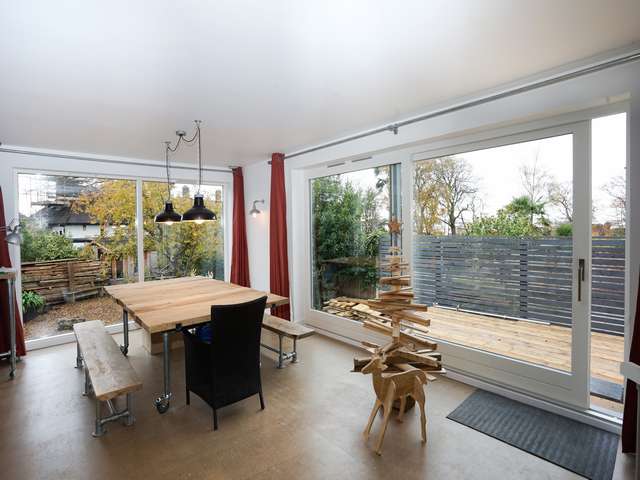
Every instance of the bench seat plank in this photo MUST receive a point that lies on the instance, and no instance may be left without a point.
(286, 328)
(110, 372)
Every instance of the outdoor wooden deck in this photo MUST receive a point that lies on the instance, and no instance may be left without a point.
(548, 345)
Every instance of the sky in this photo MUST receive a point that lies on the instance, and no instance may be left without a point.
(498, 170)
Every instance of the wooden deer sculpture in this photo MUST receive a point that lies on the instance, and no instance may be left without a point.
(391, 387)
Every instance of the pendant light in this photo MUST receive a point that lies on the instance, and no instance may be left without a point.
(199, 213)
(168, 216)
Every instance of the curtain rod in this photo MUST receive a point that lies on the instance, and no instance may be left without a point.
(393, 127)
(105, 160)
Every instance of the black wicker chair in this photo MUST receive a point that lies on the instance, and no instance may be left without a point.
(226, 370)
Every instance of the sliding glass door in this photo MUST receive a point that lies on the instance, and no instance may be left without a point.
(501, 255)
(498, 233)
(508, 233)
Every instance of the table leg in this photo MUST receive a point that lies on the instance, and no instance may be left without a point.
(125, 329)
(162, 402)
(12, 325)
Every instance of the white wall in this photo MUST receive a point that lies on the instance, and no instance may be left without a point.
(257, 186)
(598, 89)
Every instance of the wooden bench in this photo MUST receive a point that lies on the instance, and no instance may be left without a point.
(284, 328)
(106, 371)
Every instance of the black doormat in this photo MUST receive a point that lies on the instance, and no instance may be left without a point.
(580, 448)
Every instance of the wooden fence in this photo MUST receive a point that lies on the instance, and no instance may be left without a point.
(52, 279)
(519, 277)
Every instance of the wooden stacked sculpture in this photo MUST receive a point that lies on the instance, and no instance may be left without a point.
(401, 368)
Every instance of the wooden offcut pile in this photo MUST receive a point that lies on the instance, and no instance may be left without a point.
(401, 368)
(52, 279)
(394, 314)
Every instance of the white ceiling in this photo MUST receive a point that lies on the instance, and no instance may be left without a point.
(119, 77)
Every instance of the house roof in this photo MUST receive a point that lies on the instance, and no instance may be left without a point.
(55, 214)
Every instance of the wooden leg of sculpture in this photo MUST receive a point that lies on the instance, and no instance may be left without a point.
(387, 407)
(420, 400)
(403, 406)
(367, 429)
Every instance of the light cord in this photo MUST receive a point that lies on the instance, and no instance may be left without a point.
(181, 138)
(166, 155)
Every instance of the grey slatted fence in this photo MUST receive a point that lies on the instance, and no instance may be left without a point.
(527, 278)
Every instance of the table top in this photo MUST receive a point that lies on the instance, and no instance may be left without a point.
(160, 305)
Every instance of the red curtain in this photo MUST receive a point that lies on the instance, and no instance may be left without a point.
(631, 393)
(240, 253)
(5, 261)
(278, 257)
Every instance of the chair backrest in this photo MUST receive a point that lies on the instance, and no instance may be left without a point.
(235, 342)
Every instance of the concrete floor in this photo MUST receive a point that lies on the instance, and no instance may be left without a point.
(310, 429)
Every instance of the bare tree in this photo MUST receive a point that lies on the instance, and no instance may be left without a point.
(535, 180)
(456, 188)
(617, 190)
(561, 195)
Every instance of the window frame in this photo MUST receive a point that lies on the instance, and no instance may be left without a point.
(227, 198)
(536, 380)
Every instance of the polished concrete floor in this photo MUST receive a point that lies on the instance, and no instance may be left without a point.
(311, 428)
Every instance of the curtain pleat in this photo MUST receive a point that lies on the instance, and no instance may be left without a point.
(278, 256)
(240, 252)
(631, 393)
(5, 261)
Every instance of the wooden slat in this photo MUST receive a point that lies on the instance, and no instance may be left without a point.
(519, 277)
(548, 345)
(110, 372)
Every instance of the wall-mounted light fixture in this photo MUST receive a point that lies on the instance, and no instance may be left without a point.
(13, 233)
(254, 212)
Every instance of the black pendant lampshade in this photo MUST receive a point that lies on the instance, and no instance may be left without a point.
(168, 216)
(198, 213)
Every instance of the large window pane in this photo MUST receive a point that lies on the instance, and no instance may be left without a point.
(608, 262)
(493, 249)
(78, 235)
(349, 233)
(182, 249)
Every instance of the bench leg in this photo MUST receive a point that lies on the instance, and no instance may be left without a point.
(294, 353)
(126, 415)
(87, 383)
(129, 419)
(78, 356)
(280, 353)
(99, 430)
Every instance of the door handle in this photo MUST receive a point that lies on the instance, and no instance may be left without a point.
(580, 277)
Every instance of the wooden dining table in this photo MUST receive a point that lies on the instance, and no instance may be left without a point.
(165, 306)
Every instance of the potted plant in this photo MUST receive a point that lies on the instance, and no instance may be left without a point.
(32, 304)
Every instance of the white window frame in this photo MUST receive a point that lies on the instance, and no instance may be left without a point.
(227, 196)
(562, 388)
